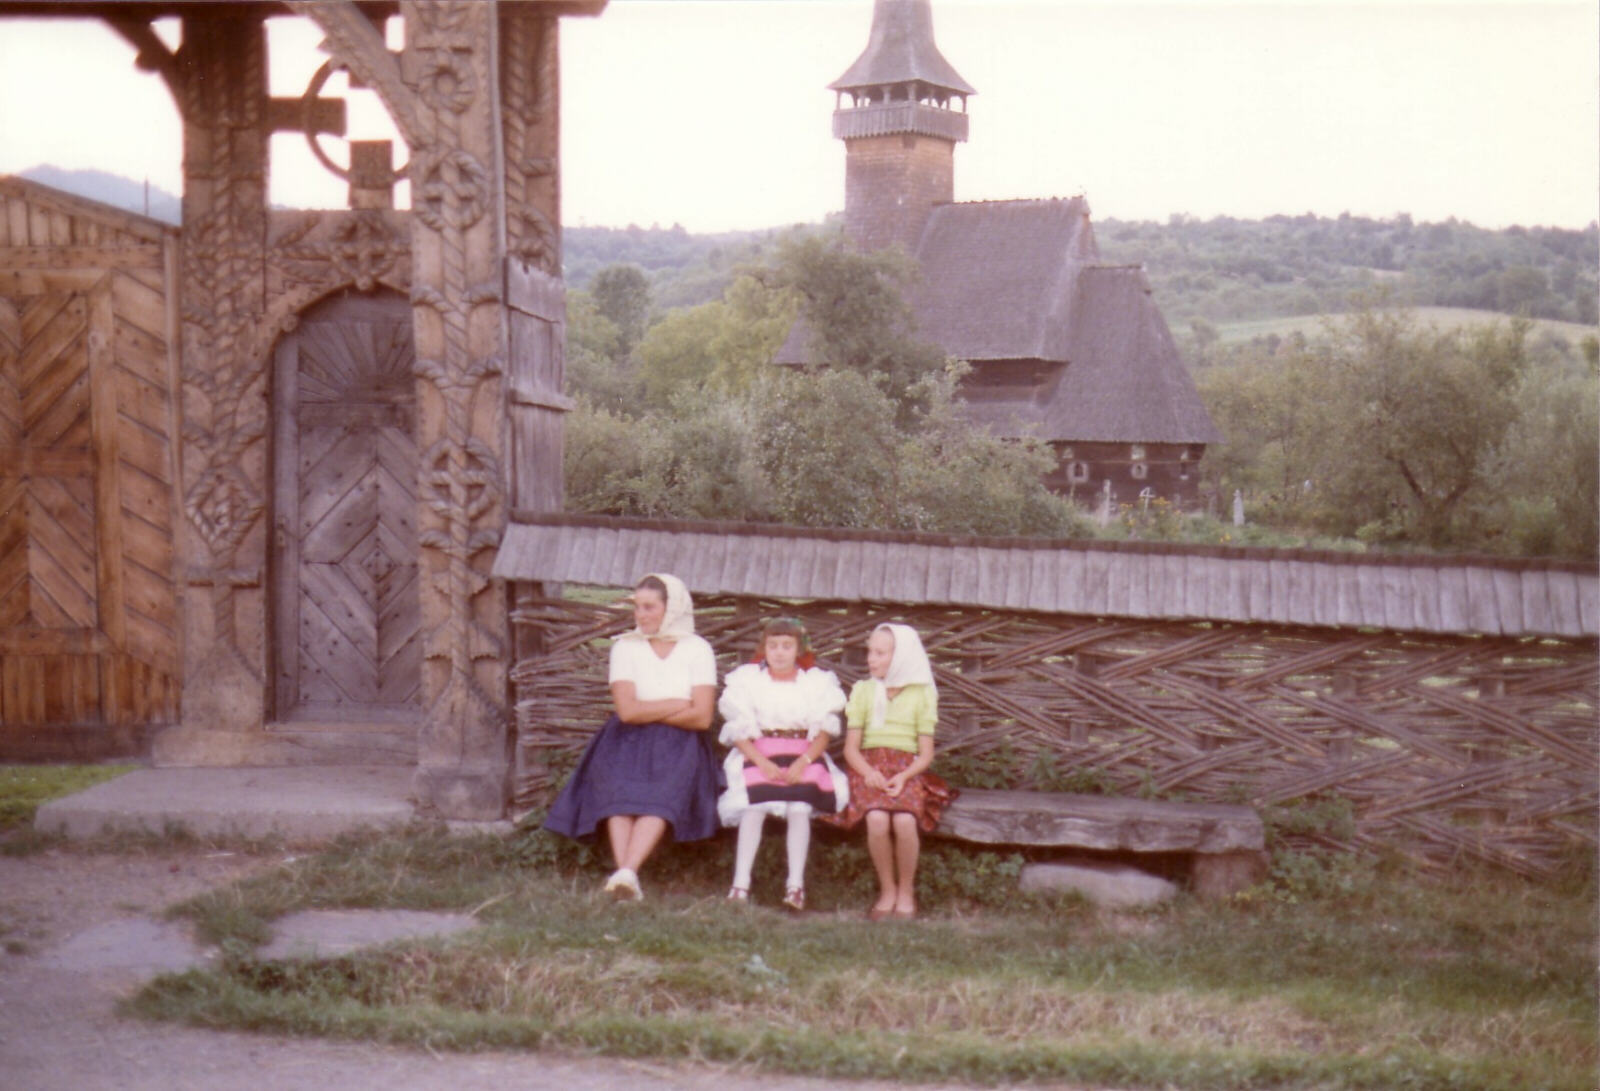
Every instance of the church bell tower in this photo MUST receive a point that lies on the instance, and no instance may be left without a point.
(896, 111)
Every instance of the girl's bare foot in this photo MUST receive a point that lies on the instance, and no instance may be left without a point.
(882, 907)
(905, 908)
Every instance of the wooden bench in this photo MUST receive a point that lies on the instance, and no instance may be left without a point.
(1225, 844)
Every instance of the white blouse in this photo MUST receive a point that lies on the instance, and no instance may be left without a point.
(690, 663)
(752, 702)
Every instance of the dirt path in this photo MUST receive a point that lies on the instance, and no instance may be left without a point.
(60, 1030)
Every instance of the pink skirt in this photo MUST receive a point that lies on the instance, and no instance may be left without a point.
(822, 786)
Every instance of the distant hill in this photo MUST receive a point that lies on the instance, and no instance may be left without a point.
(1223, 271)
(1218, 273)
(109, 189)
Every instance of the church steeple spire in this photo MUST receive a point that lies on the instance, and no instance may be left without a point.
(899, 127)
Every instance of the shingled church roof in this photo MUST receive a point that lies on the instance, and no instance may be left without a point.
(997, 277)
(1124, 380)
(900, 48)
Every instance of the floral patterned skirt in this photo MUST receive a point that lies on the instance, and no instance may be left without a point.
(926, 795)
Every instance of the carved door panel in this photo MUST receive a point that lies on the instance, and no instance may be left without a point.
(347, 629)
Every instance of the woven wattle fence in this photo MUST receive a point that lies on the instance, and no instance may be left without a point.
(1439, 747)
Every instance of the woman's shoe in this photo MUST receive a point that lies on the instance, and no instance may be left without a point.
(623, 885)
(739, 894)
(795, 898)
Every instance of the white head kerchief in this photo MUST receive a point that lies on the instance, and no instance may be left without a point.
(908, 666)
(678, 621)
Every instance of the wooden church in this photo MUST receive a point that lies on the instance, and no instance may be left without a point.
(1062, 346)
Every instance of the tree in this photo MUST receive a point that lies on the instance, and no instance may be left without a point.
(1543, 493)
(622, 295)
(1416, 414)
(721, 346)
(597, 367)
(1272, 409)
(855, 314)
(875, 438)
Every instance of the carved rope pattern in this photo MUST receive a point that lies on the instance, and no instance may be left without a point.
(528, 73)
(224, 380)
(461, 473)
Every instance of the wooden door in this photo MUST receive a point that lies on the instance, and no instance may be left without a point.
(347, 626)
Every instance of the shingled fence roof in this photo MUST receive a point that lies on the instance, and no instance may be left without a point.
(1421, 593)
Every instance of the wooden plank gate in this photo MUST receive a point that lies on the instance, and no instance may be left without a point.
(88, 621)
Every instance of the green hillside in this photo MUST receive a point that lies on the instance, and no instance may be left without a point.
(1442, 318)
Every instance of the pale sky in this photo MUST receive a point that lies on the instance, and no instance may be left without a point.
(715, 113)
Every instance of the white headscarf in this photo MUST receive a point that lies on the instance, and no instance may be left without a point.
(678, 621)
(908, 666)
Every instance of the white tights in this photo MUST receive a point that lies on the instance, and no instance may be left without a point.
(799, 817)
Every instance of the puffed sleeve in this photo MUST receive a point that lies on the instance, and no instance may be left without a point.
(826, 699)
(738, 705)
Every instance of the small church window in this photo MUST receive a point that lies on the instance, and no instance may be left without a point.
(1139, 470)
(1078, 472)
(1136, 452)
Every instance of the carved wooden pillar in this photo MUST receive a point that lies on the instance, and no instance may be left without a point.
(222, 87)
(458, 247)
(535, 296)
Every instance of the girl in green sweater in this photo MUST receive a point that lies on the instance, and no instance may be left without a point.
(889, 725)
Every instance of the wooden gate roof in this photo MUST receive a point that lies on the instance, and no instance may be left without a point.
(1428, 593)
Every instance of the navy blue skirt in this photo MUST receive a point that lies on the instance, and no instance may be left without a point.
(639, 769)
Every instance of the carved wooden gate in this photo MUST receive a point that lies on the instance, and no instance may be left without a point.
(345, 571)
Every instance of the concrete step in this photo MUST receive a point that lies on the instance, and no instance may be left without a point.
(343, 744)
(297, 803)
(297, 743)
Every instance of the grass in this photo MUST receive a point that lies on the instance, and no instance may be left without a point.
(1376, 980)
(24, 787)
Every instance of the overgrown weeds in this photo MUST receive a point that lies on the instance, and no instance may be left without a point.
(1381, 980)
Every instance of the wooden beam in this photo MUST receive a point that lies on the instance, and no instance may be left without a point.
(288, 115)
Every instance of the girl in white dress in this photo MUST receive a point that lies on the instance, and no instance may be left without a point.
(779, 715)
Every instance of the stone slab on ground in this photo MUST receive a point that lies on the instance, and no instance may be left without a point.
(1104, 884)
(302, 803)
(322, 933)
(136, 944)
